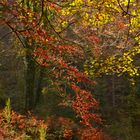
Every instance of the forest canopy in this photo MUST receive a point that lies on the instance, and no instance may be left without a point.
(74, 63)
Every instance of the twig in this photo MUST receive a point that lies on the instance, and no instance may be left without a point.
(126, 12)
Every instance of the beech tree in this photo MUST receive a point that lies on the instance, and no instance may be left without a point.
(55, 33)
(31, 22)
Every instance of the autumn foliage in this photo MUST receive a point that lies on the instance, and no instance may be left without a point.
(42, 42)
(42, 29)
(20, 126)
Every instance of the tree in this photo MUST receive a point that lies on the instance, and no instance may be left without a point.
(30, 21)
(105, 32)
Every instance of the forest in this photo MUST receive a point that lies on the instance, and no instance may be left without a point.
(69, 70)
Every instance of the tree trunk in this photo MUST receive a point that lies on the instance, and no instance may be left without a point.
(30, 81)
(39, 85)
(113, 91)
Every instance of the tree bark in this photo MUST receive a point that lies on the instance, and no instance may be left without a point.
(39, 85)
(30, 81)
(113, 91)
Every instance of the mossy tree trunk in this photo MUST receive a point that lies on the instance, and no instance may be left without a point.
(39, 82)
(30, 82)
